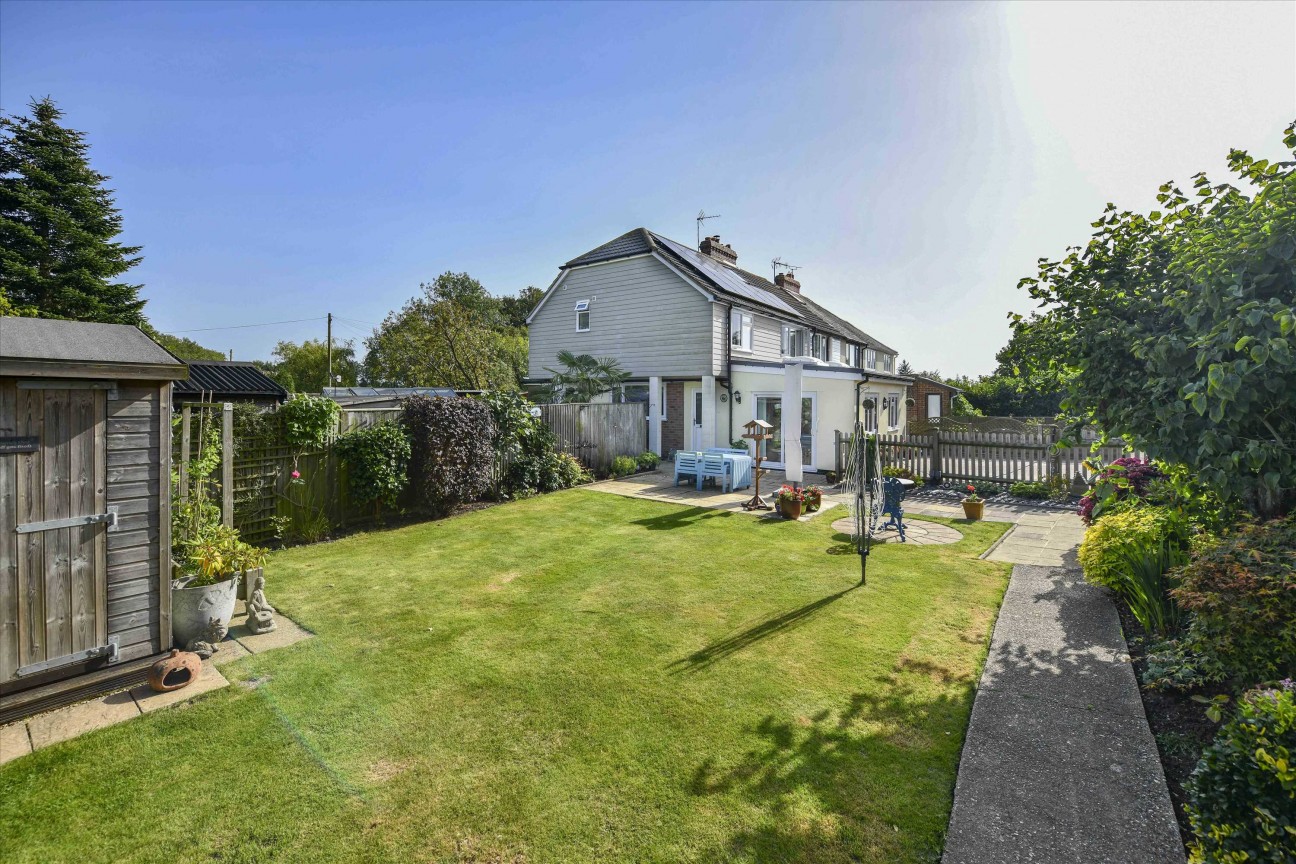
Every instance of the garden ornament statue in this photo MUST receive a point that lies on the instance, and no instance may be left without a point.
(179, 669)
(208, 643)
(260, 614)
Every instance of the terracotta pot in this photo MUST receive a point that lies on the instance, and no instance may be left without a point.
(813, 503)
(973, 510)
(171, 673)
(790, 509)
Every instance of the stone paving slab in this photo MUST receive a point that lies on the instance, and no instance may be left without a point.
(65, 723)
(149, 700)
(14, 742)
(1059, 765)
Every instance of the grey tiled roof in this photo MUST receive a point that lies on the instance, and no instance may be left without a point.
(757, 289)
(80, 342)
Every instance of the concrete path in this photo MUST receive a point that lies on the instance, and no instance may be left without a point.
(1059, 765)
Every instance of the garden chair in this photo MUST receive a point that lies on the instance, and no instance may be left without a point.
(715, 467)
(893, 492)
(686, 465)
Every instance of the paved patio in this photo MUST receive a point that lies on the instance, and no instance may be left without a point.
(1039, 536)
(660, 486)
(63, 724)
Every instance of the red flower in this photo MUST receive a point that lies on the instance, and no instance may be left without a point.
(296, 475)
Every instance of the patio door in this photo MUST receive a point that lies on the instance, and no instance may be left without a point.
(769, 407)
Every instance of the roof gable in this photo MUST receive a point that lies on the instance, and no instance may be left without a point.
(733, 282)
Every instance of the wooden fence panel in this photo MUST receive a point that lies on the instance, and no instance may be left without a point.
(596, 433)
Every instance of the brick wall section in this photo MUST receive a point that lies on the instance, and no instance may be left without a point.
(673, 426)
(919, 390)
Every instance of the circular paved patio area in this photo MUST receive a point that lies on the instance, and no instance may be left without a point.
(918, 532)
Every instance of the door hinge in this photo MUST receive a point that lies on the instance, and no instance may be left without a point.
(109, 651)
(71, 522)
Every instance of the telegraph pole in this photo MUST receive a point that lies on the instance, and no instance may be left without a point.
(329, 382)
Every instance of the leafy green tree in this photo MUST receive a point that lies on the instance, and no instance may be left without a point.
(583, 378)
(1007, 396)
(1175, 330)
(58, 224)
(303, 368)
(904, 368)
(454, 335)
(182, 347)
(516, 309)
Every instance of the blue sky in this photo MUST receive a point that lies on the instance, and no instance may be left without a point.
(278, 161)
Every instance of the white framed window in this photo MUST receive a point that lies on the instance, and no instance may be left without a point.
(582, 316)
(836, 355)
(870, 358)
(796, 341)
(893, 412)
(871, 402)
(740, 330)
(888, 362)
(933, 406)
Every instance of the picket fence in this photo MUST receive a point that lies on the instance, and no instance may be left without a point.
(986, 457)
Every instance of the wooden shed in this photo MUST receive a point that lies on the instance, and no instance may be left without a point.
(85, 464)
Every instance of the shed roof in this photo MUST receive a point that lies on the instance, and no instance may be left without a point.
(230, 379)
(84, 348)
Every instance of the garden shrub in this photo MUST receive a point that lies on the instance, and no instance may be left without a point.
(526, 458)
(450, 450)
(1030, 489)
(1123, 478)
(648, 460)
(1126, 531)
(1241, 591)
(309, 422)
(624, 465)
(377, 460)
(1242, 796)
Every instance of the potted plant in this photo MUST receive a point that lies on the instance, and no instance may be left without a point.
(790, 501)
(973, 504)
(206, 578)
(813, 496)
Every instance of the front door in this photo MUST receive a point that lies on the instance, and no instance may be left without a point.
(53, 556)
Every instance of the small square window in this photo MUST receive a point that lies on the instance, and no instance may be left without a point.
(582, 305)
(582, 322)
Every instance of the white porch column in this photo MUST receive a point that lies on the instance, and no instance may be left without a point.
(708, 411)
(654, 415)
(792, 422)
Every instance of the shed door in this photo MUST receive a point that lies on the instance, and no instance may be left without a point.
(53, 558)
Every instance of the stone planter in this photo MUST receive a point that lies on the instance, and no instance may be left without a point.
(973, 510)
(192, 609)
(789, 509)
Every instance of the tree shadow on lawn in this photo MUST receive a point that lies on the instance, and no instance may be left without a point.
(680, 518)
(846, 786)
(766, 629)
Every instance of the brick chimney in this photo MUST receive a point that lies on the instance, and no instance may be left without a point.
(788, 282)
(722, 252)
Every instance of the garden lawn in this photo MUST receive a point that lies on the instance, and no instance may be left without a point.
(575, 677)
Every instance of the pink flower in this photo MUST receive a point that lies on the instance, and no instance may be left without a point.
(296, 475)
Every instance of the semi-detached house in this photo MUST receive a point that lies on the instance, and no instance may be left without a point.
(710, 346)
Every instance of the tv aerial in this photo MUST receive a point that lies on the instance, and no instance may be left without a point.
(777, 264)
(702, 217)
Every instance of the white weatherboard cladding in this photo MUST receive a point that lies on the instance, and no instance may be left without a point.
(641, 313)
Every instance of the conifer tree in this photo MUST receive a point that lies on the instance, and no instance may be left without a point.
(58, 224)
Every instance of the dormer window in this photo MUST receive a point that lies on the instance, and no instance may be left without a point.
(582, 316)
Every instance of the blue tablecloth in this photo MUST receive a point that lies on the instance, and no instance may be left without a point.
(742, 469)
